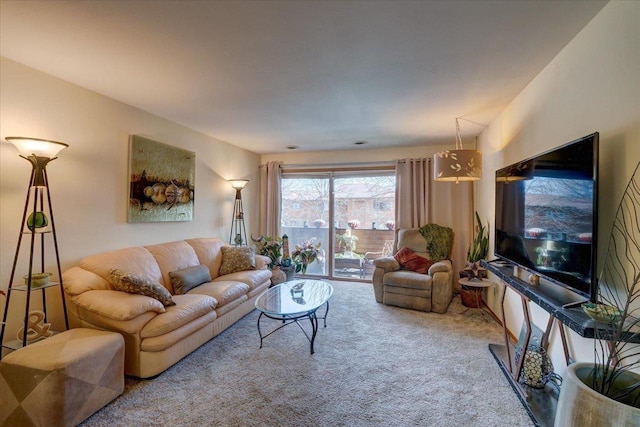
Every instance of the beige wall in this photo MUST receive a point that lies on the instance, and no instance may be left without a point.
(89, 180)
(592, 85)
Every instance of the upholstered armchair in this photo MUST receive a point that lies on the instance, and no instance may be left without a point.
(423, 280)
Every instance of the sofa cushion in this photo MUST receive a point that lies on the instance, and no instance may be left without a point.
(173, 256)
(209, 251)
(412, 261)
(188, 278)
(252, 278)
(187, 309)
(237, 259)
(135, 284)
(136, 260)
(224, 291)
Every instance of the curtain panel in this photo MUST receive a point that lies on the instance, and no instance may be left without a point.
(421, 200)
(270, 195)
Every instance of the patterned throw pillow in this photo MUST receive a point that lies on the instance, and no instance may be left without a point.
(239, 258)
(188, 278)
(135, 284)
(412, 261)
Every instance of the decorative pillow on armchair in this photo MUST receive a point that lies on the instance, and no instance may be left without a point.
(135, 284)
(412, 261)
(239, 258)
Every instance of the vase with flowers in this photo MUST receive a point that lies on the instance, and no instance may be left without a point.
(305, 253)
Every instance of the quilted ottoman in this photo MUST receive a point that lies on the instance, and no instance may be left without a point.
(62, 380)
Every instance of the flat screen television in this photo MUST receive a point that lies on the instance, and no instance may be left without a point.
(546, 215)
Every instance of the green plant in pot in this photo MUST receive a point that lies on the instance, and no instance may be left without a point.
(477, 250)
(607, 390)
(271, 247)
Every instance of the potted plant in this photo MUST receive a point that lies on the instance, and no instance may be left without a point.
(477, 251)
(606, 391)
(271, 247)
(306, 253)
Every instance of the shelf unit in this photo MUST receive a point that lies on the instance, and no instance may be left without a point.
(39, 197)
(564, 308)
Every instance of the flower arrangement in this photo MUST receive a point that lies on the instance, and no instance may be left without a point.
(271, 247)
(306, 253)
(353, 224)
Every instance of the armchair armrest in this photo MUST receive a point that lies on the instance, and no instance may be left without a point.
(262, 262)
(387, 264)
(443, 266)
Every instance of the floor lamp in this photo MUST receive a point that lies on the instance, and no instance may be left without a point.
(238, 234)
(40, 222)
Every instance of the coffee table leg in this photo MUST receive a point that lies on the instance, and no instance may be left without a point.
(325, 314)
(260, 332)
(314, 326)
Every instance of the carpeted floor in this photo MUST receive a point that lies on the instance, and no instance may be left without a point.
(374, 365)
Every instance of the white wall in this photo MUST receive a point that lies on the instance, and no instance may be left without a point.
(592, 85)
(89, 180)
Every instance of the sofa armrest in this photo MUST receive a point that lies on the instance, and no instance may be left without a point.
(262, 262)
(387, 264)
(117, 305)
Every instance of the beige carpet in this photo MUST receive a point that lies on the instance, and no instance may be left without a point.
(374, 365)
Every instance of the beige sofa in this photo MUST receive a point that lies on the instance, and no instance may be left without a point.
(401, 287)
(156, 336)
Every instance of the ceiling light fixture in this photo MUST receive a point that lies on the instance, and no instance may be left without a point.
(459, 164)
(360, 142)
(292, 147)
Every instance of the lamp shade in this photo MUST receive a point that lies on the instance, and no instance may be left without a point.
(519, 172)
(457, 165)
(36, 147)
(238, 184)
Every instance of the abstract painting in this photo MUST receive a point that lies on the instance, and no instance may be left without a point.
(161, 184)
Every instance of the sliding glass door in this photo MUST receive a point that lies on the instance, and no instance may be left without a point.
(351, 213)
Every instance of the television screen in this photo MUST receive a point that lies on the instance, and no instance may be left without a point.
(546, 215)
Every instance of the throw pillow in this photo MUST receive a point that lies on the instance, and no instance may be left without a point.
(238, 258)
(135, 284)
(412, 261)
(188, 278)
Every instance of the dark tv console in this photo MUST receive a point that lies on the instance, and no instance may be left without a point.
(560, 303)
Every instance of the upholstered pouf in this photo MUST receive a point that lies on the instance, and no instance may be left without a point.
(62, 380)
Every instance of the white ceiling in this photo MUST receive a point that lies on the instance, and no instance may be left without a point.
(318, 74)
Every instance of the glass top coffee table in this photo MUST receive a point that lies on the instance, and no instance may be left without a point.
(293, 301)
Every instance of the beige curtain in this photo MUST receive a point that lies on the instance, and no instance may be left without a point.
(270, 191)
(421, 200)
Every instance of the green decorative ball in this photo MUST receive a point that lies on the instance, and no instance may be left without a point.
(37, 220)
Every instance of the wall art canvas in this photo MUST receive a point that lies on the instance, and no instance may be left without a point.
(161, 181)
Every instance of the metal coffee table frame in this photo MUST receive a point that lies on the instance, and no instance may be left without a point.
(288, 319)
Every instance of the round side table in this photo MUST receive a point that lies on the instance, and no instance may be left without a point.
(471, 292)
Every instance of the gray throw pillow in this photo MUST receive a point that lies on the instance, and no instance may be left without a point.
(135, 284)
(238, 258)
(188, 278)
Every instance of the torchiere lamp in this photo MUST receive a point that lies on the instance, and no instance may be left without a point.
(38, 152)
(238, 234)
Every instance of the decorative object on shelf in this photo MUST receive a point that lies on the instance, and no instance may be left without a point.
(161, 181)
(537, 368)
(38, 152)
(36, 327)
(319, 223)
(306, 253)
(37, 279)
(37, 220)
(612, 392)
(353, 224)
(458, 164)
(602, 313)
(238, 233)
(391, 225)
